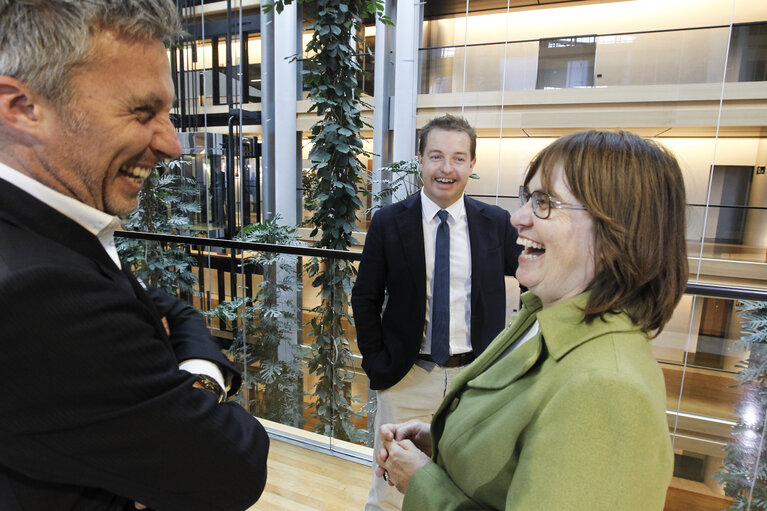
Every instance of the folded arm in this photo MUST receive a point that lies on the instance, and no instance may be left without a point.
(108, 407)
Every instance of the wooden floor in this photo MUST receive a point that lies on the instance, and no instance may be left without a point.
(300, 479)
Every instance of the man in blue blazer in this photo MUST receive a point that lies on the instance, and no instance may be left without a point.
(393, 297)
(113, 393)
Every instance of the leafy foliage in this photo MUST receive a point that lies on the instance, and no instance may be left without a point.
(404, 174)
(331, 352)
(330, 74)
(272, 368)
(167, 203)
(744, 469)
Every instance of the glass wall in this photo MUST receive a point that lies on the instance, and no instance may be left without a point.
(685, 56)
(691, 75)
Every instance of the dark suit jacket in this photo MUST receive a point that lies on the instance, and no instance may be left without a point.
(94, 411)
(393, 261)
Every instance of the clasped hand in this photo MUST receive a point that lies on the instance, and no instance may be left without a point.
(405, 448)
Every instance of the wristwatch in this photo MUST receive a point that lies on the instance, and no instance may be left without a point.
(212, 385)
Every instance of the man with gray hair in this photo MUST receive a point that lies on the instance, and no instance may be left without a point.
(113, 393)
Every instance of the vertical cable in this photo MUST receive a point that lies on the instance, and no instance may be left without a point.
(205, 152)
(690, 325)
(465, 56)
(240, 196)
(503, 91)
(716, 143)
(703, 232)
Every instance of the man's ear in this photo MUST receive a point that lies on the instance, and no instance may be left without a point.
(20, 108)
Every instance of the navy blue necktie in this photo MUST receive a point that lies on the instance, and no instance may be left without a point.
(440, 300)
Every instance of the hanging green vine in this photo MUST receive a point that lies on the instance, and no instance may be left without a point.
(331, 72)
(272, 367)
(167, 204)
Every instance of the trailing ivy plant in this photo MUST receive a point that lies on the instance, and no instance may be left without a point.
(744, 468)
(272, 369)
(167, 204)
(330, 72)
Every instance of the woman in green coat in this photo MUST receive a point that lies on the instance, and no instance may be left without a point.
(565, 410)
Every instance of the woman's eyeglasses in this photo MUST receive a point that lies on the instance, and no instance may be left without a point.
(543, 203)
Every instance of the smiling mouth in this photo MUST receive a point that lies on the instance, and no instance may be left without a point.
(137, 174)
(532, 248)
(444, 180)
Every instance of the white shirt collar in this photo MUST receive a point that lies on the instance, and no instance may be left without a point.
(430, 208)
(98, 223)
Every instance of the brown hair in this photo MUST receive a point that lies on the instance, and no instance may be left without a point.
(634, 190)
(450, 123)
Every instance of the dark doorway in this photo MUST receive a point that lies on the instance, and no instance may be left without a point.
(712, 335)
(734, 184)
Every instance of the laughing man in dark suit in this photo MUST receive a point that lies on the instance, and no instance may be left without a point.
(398, 347)
(103, 407)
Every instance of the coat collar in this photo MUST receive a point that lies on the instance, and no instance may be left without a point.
(29, 213)
(561, 329)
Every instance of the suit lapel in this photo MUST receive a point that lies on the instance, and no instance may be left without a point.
(516, 364)
(497, 348)
(144, 298)
(480, 232)
(410, 234)
(475, 220)
(21, 209)
(24, 210)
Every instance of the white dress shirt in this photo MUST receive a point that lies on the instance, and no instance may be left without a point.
(101, 225)
(460, 272)
(96, 222)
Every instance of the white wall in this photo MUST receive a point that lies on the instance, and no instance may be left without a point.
(598, 18)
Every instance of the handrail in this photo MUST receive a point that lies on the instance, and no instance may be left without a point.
(577, 36)
(736, 293)
(243, 245)
(708, 290)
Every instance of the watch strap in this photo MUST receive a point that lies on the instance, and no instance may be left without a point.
(208, 383)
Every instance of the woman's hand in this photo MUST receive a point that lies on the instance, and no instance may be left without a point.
(405, 448)
(403, 459)
(417, 432)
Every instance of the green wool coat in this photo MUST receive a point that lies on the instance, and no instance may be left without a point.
(574, 419)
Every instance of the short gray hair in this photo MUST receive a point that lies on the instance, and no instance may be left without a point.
(43, 41)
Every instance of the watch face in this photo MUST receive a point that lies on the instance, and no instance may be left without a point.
(208, 383)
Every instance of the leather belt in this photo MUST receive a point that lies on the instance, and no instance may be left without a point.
(461, 359)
